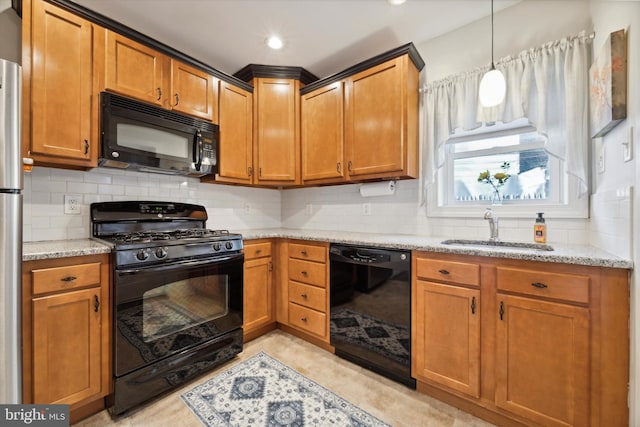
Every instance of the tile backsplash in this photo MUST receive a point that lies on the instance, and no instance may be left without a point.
(339, 208)
(229, 207)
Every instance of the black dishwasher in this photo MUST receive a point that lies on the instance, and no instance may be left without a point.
(370, 315)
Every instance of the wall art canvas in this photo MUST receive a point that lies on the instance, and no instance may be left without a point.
(608, 85)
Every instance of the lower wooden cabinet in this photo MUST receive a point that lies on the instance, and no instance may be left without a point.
(522, 342)
(303, 292)
(542, 361)
(447, 336)
(258, 305)
(67, 332)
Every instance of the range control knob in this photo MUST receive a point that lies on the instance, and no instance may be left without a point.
(228, 245)
(161, 252)
(216, 246)
(142, 254)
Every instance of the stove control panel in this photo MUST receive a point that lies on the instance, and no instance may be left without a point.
(156, 254)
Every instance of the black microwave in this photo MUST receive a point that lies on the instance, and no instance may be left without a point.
(147, 138)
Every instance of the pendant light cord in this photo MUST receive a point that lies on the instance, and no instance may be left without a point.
(492, 64)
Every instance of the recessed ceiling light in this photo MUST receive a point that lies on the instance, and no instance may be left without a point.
(274, 42)
(396, 2)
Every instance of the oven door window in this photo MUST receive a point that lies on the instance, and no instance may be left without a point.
(181, 305)
(164, 310)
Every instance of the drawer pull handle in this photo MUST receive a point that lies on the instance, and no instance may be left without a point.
(501, 310)
(473, 305)
(96, 303)
(304, 319)
(159, 94)
(304, 253)
(304, 273)
(539, 285)
(304, 296)
(69, 278)
(443, 271)
(258, 251)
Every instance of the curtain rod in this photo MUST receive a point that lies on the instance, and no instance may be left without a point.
(480, 70)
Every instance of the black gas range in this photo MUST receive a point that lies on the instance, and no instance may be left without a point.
(177, 295)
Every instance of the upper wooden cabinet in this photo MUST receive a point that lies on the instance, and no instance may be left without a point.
(235, 145)
(381, 132)
(363, 126)
(322, 135)
(59, 115)
(141, 72)
(276, 131)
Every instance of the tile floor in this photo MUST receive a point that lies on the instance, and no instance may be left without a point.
(387, 400)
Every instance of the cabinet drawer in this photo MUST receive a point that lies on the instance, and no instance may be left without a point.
(65, 278)
(563, 286)
(307, 319)
(308, 296)
(308, 252)
(312, 273)
(257, 250)
(450, 271)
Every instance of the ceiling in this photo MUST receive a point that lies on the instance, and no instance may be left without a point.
(322, 36)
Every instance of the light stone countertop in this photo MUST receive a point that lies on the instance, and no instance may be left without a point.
(32, 251)
(568, 254)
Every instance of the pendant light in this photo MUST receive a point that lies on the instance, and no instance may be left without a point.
(492, 85)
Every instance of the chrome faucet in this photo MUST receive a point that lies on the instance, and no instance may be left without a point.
(493, 224)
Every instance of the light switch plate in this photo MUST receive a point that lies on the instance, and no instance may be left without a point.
(627, 147)
(601, 158)
(366, 209)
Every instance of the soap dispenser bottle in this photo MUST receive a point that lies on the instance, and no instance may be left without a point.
(540, 229)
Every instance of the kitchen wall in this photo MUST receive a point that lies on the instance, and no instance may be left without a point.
(228, 207)
(619, 181)
(10, 25)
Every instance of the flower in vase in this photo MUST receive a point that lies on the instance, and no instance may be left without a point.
(496, 180)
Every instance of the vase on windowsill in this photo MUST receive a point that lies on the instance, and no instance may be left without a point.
(496, 198)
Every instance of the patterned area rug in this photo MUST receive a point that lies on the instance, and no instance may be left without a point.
(262, 391)
(391, 340)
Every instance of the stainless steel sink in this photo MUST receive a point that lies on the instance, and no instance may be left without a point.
(490, 243)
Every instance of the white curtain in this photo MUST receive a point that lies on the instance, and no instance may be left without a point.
(547, 85)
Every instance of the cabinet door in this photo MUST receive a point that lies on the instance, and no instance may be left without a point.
(67, 362)
(542, 360)
(377, 128)
(135, 70)
(193, 91)
(277, 145)
(446, 339)
(321, 134)
(235, 155)
(61, 84)
(258, 293)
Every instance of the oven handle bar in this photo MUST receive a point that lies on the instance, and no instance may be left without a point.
(182, 264)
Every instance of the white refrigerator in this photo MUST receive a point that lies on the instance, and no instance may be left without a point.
(10, 233)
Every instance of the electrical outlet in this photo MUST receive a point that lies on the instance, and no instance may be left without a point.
(309, 209)
(72, 204)
(247, 208)
(366, 209)
(627, 147)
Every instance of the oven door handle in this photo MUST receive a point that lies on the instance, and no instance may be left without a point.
(182, 264)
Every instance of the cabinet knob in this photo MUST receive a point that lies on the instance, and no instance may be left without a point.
(258, 251)
(443, 271)
(303, 253)
(304, 296)
(69, 278)
(304, 319)
(304, 273)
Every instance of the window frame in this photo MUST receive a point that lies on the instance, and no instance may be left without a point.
(563, 201)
